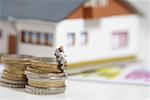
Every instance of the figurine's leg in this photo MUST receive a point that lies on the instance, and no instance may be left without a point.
(61, 67)
(62, 70)
(58, 66)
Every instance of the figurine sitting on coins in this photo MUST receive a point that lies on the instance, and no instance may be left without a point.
(60, 58)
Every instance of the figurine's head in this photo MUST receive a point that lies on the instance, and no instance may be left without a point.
(61, 48)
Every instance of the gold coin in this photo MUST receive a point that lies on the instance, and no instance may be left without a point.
(30, 69)
(49, 69)
(44, 62)
(13, 67)
(16, 58)
(14, 71)
(37, 65)
(39, 84)
(17, 61)
(11, 76)
(41, 69)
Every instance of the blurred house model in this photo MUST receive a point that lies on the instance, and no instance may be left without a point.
(90, 30)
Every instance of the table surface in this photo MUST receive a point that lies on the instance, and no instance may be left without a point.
(84, 89)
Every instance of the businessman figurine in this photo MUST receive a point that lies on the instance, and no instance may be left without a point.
(60, 58)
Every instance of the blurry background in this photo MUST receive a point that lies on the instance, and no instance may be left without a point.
(28, 39)
(144, 38)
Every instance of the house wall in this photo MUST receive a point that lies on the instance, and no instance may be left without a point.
(36, 49)
(6, 30)
(100, 37)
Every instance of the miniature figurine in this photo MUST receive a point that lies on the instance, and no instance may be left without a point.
(60, 58)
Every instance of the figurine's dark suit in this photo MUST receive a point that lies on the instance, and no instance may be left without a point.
(60, 58)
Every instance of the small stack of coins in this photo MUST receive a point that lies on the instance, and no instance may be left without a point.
(13, 74)
(44, 77)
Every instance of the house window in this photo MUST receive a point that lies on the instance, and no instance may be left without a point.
(94, 3)
(71, 39)
(34, 37)
(90, 3)
(23, 36)
(50, 39)
(26, 36)
(120, 39)
(84, 38)
(42, 38)
(102, 2)
(37, 38)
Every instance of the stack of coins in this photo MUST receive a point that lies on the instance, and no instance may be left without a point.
(44, 77)
(13, 74)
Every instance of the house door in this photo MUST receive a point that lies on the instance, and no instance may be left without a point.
(12, 49)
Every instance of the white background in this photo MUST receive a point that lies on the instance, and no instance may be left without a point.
(78, 90)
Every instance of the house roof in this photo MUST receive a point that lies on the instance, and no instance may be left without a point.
(49, 10)
(129, 6)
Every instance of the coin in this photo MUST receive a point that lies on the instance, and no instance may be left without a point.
(41, 84)
(46, 79)
(44, 60)
(15, 66)
(45, 75)
(14, 71)
(10, 76)
(13, 78)
(12, 82)
(12, 58)
(38, 75)
(42, 70)
(45, 63)
(11, 85)
(49, 91)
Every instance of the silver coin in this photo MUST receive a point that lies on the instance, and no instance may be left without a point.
(39, 78)
(45, 75)
(40, 91)
(12, 82)
(11, 85)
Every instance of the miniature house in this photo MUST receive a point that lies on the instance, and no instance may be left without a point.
(90, 30)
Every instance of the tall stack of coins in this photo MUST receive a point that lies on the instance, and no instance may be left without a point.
(44, 77)
(13, 74)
